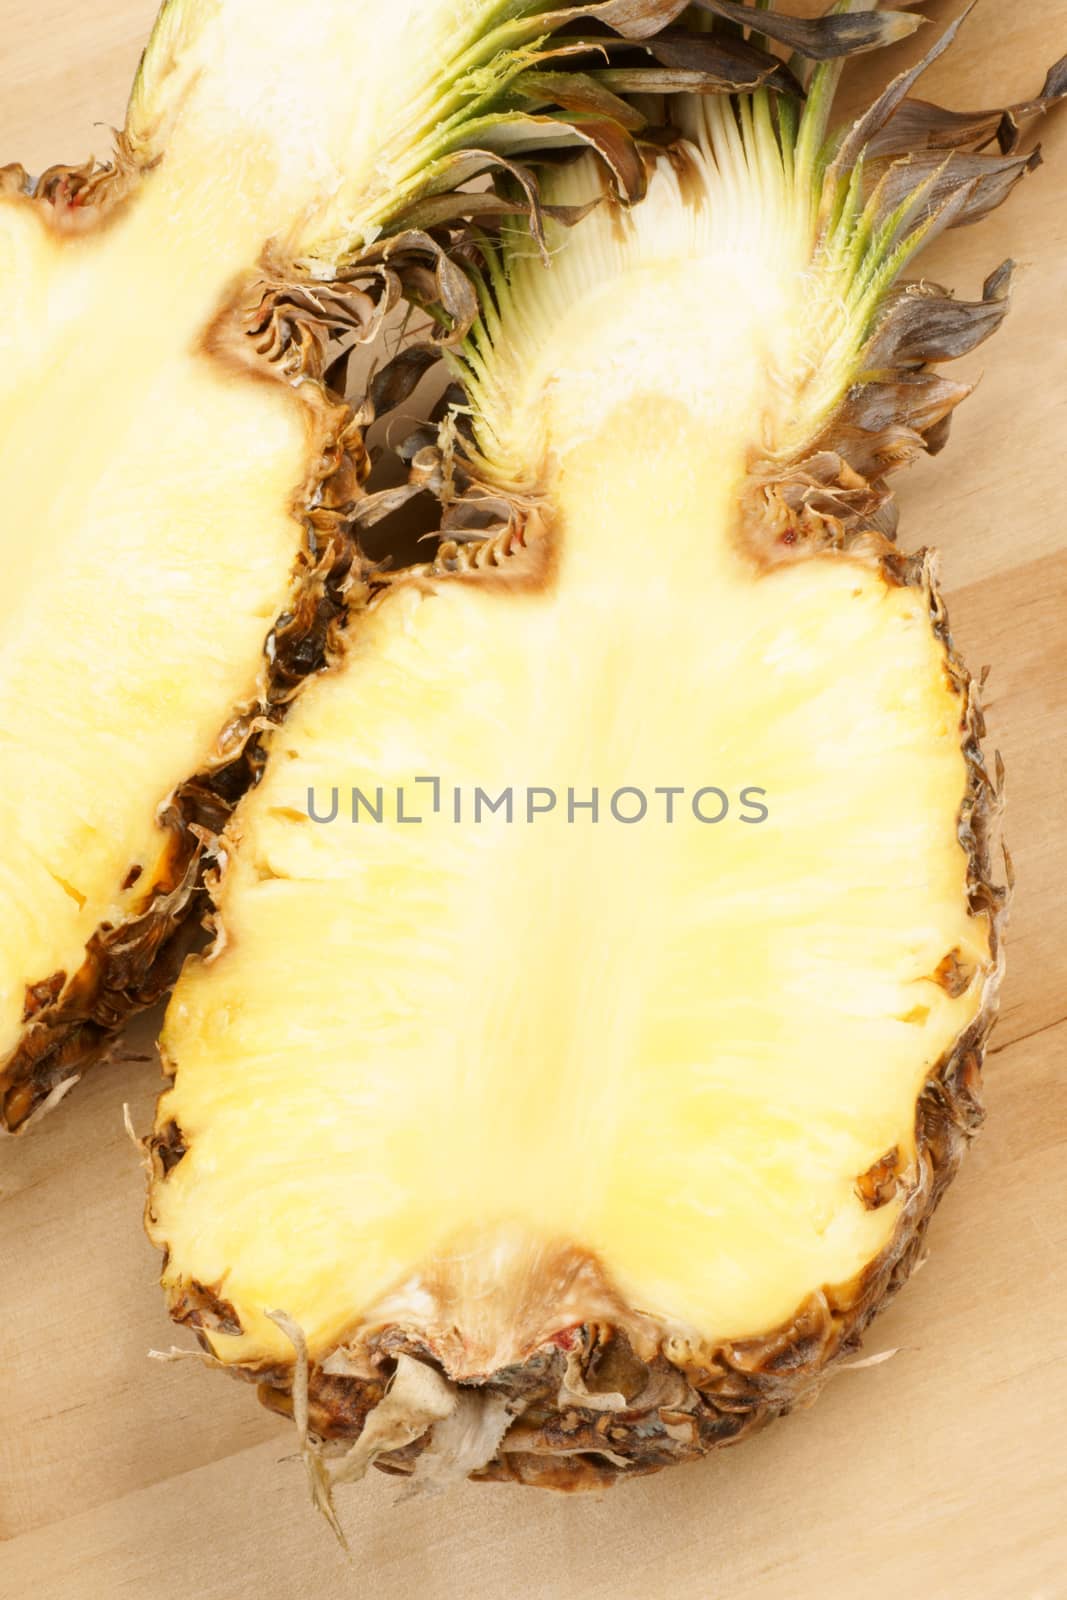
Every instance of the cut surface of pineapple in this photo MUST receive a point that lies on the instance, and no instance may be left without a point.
(158, 526)
(176, 477)
(679, 1045)
(605, 957)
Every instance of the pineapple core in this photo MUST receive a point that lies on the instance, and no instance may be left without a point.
(430, 1055)
(149, 541)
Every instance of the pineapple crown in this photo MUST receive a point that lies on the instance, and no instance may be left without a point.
(862, 200)
(513, 80)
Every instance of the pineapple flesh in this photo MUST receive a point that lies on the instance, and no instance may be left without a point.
(168, 309)
(594, 1138)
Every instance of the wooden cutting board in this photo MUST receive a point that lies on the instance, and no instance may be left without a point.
(941, 1472)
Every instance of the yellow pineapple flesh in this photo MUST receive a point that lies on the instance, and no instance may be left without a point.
(678, 1046)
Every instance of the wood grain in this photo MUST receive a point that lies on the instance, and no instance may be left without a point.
(942, 1471)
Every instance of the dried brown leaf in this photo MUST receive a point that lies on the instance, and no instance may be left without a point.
(820, 38)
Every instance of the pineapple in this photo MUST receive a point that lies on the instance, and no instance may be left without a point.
(174, 308)
(605, 959)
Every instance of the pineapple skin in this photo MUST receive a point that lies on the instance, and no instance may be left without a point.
(619, 1393)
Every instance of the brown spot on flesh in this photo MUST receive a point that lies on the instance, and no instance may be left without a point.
(40, 995)
(879, 1184)
(169, 1146)
(953, 974)
(200, 1306)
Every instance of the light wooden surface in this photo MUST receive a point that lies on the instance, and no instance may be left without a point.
(943, 1471)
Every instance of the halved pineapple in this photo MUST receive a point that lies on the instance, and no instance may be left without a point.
(179, 483)
(605, 959)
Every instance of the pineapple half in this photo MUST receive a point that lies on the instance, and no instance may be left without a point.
(279, 169)
(603, 963)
